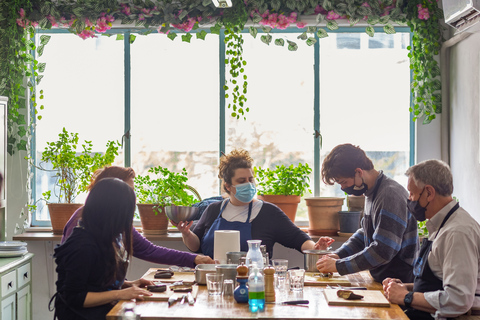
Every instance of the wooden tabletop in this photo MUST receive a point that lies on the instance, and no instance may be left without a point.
(213, 308)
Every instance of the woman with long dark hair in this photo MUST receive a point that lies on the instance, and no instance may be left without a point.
(93, 262)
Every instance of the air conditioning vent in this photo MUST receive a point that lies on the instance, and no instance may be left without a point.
(462, 14)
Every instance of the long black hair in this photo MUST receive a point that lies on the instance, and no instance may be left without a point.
(108, 217)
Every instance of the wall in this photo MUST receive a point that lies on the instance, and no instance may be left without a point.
(464, 121)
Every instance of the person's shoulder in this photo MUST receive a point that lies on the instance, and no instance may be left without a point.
(392, 188)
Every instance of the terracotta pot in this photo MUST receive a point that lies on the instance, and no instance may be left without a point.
(60, 213)
(355, 203)
(152, 221)
(323, 215)
(288, 204)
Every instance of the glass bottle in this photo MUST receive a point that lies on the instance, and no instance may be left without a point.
(241, 291)
(254, 255)
(256, 290)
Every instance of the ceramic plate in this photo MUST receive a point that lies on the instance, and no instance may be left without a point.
(12, 244)
(5, 254)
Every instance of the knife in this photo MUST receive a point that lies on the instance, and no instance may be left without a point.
(172, 299)
(190, 299)
(292, 303)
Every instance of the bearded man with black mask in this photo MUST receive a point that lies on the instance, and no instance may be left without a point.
(387, 240)
(447, 278)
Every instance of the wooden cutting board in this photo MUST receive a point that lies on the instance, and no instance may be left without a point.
(312, 279)
(186, 277)
(163, 296)
(371, 298)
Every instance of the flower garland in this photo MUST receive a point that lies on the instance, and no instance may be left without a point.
(89, 18)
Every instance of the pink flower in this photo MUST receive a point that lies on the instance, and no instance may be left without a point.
(365, 4)
(301, 25)
(282, 22)
(88, 23)
(22, 13)
(423, 13)
(126, 9)
(292, 18)
(102, 25)
(86, 34)
(141, 17)
(21, 23)
(332, 15)
(52, 21)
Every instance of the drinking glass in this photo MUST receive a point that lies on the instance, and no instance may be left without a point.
(228, 288)
(296, 279)
(214, 284)
(281, 266)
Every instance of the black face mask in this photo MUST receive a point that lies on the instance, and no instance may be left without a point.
(416, 209)
(354, 190)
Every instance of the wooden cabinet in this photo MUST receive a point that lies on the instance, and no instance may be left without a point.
(16, 288)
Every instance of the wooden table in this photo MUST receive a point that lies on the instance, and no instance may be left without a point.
(213, 308)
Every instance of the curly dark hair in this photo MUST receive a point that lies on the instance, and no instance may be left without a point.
(236, 159)
(342, 161)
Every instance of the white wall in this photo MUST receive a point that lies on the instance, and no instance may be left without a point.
(464, 100)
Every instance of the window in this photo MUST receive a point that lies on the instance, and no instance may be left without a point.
(174, 112)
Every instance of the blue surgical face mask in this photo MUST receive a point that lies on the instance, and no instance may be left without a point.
(245, 192)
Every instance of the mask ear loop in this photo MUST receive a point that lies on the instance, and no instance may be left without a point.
(355, 185)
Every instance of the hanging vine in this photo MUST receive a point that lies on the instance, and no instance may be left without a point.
(19, 71)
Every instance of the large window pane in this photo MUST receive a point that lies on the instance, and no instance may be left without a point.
(364, 98)
(279, 126)
(83, 87)
(175, 108)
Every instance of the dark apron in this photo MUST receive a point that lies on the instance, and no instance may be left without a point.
(220, 223)
(425, 280)
(396, 268)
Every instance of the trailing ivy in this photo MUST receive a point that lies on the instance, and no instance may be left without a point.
(88, 18)
(424, 22)
(19, 72)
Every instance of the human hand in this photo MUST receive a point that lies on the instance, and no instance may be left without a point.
(395, 292)
(386, 281)
(184, 227)
(326, 264)
(323, 243)
(133, 292)
(201, 259)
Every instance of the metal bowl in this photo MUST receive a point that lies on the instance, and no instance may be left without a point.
(180, 213)
(311, 257)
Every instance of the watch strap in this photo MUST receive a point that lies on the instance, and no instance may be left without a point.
(407, 301)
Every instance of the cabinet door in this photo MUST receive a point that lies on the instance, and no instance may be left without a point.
(8, 308)
(24, 304)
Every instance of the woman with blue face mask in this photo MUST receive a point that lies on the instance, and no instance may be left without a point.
(241, 211)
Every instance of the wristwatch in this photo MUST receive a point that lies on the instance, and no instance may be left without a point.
(408, 299)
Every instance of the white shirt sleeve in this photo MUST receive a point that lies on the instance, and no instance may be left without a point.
(454, 257)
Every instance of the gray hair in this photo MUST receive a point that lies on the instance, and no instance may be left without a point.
(432, 172)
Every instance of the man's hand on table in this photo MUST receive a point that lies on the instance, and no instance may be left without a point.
(201, 259)
(394, 290)
(327, 263)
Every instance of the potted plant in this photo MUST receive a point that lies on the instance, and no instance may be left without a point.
(73, 171)
(283, 186)
(158, 189)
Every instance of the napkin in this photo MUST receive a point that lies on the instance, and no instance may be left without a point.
(225, 241)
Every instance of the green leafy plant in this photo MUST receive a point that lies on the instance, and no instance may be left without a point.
(163, 187)
(283, 180)
(73, 168)
(424, 21)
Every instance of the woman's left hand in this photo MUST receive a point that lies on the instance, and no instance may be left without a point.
(141, 283)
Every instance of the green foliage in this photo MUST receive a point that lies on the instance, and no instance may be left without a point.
(163, 188)
(19, 71)
(74, 168)
(422, 228)
(426, 43)
(283, 180)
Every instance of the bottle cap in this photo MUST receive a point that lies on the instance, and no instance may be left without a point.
(242, 271)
